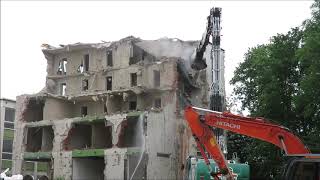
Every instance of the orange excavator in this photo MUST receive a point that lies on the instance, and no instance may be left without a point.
(201, 121)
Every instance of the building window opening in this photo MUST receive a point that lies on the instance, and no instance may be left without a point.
(109, 59)
(8, 125)
(79, 137)
(62, 69)
(47, 138)
(7, 148)
(64, 65)
(39, 139)
(9, 114)
(80, 68)
(132, 102)
(101, 136)
(84, 111)
(63, 89)
(86, 62)
(7, 156)
(133, 79)
(88, 168)
(157, 103)
(34, 110)
(132, 105)
(85, 85)
(130, 135)
(115, 104)
(156, 78)
(109, 83)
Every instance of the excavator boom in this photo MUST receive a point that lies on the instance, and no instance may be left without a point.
(258, 128)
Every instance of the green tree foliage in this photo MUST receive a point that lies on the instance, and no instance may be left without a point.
(281, 82)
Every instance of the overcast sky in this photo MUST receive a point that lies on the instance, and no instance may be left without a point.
(27, 25)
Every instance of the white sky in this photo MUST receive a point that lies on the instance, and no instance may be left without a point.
(26, 25)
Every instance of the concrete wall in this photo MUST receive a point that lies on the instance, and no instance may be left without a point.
(94, 108)
(167, 75)
(114, 160)
(161, 127)
(63, 165)
(55, 109)
(19, 135)
(97, 77)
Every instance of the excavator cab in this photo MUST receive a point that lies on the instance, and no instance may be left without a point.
(302, 168)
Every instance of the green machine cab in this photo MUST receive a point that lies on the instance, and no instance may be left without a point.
(196, 169)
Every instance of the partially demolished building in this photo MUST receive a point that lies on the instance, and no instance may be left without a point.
(111, 110)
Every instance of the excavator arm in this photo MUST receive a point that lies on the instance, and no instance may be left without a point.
(199, 63)
(200, 125)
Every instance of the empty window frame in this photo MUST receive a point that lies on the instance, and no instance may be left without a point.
(86, 62)
(156, 78)
(80, 68)
(84, 111)
(109, 83)
(63, 88)
(132, 102)
(62, 69)
(64, 65)
(157, 103)
(79, 137)
(132, 105)
(133, 79)
(34, 110)
(85, 85)
(109, 58)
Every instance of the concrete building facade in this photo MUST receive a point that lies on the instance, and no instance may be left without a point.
(111, 110)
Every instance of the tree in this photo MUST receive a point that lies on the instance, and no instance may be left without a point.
(308, 99)
(280, 81)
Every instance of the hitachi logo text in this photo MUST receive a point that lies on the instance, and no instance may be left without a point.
(233, 126)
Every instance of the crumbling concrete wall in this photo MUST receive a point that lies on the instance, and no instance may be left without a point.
(55, 109)
(121, 78)
(96, 76)
(161, 127)
(167, 74)
(115, 122)
(63, 165)
(62, 161)
(18, 142)
(157, 90)
(93, 107)
(114, 160)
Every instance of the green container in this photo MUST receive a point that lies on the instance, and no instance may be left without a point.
(198, 170)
